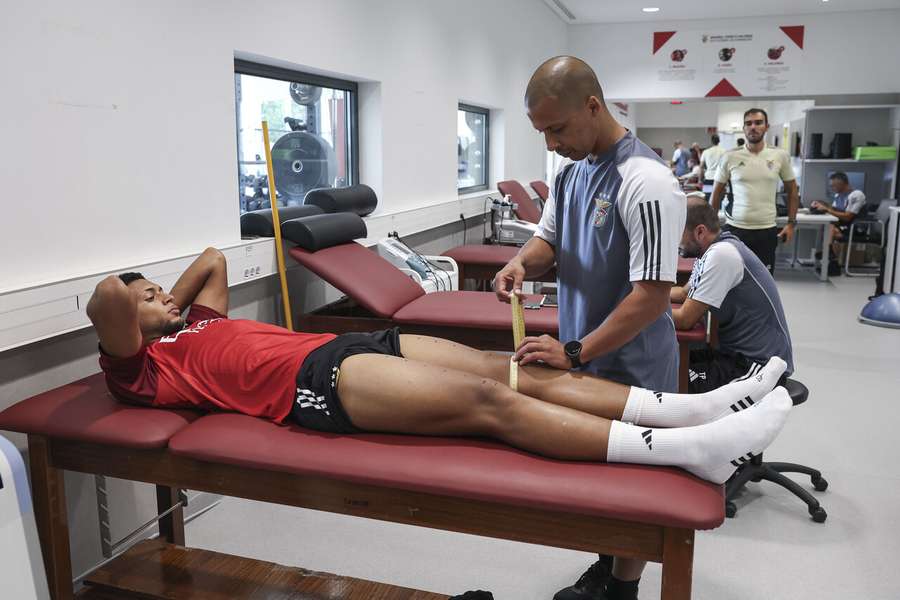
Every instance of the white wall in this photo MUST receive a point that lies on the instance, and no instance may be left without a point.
(665, 114)
(119, 128)
(854, 52)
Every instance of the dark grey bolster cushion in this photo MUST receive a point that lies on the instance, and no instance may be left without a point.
(259, 222)
(323, 231)
(359, 199)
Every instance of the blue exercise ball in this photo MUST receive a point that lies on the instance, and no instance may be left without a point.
(883, 311)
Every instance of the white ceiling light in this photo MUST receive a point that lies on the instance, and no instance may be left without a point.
(652, 9)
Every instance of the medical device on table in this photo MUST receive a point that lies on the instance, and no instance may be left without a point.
(505, 227)
(22, 568)
(433, 273)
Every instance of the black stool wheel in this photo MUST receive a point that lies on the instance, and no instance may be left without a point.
(818, 514)
(730, 509)
(819, 483)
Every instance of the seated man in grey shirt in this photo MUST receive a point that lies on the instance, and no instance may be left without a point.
(732, 283)
(848, 203)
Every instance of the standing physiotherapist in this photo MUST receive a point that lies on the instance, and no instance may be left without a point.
(612, 226)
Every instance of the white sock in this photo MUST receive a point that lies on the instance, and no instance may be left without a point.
(711, 451)
(662, 409)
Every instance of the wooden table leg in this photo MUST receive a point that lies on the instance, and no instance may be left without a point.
(677, 565)
(171, 527)
(49, 494)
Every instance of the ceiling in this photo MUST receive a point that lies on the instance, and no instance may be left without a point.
(579, 12)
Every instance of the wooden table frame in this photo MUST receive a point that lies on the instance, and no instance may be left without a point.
(49, 457)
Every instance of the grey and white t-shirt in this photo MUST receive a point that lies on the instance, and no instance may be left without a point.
(613, 221)
(741, 293)
(852, 202)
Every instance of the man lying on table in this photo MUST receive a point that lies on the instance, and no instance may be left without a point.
(387, 382)
(733, 284)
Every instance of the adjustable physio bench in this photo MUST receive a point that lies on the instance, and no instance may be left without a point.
(526, 210)
(482, 261)
(456, 484)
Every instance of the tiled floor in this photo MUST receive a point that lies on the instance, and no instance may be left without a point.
(772, 550)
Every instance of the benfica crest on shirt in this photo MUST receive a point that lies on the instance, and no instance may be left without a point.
(602, 209)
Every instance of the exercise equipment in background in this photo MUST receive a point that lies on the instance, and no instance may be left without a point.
(279, 249)
(884, 310)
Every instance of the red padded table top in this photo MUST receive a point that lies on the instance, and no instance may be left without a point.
(360, 273)
(85, 411)
(482, 254)
(496, 256)
(459, 467)
(527, 209)
(686, 265)
(475, 310)
(695, 334)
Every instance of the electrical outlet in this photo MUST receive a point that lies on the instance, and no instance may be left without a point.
(253, 271)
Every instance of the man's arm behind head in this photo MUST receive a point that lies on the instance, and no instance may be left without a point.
(204, 282)
(113, 311)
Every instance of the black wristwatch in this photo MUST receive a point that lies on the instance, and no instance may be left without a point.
(573, 352)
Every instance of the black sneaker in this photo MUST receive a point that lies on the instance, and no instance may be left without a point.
(475, 595)
(591, 583)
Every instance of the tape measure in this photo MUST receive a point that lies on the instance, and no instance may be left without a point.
(518, 321)
(518, 327)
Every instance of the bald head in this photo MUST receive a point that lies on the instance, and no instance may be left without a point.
(568, 79)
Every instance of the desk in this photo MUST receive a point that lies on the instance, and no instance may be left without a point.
(808, 221)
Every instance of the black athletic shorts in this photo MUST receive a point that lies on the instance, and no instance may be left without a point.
(710, 369)
(316, 404)
(762, 242)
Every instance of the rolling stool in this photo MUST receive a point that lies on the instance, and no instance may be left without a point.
(757, 470)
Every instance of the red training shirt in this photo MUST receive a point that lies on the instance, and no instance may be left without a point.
(215, 363)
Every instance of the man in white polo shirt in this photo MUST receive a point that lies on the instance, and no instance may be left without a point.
(754, 171)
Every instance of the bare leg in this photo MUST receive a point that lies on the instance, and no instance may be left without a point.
(391, 394)
(585, 393)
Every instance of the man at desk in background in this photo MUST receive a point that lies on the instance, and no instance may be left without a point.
(846, 206)
(732, 283)
(754, 171)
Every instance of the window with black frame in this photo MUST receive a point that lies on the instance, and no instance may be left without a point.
(472, 148)
(312, 128)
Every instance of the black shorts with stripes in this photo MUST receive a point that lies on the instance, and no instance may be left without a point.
(710, 369)
(316, 403)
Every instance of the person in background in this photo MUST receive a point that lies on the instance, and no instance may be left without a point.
(690, 181)
(710, 159)
(754, 172)
(680, 158)
(696, 151)
(729, 281)
(847, 205)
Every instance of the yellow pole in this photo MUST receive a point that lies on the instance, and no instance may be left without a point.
(276, 225)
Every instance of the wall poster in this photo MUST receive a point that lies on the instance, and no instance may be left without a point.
(715, 63)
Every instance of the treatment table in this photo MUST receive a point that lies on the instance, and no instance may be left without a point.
(457, 484)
